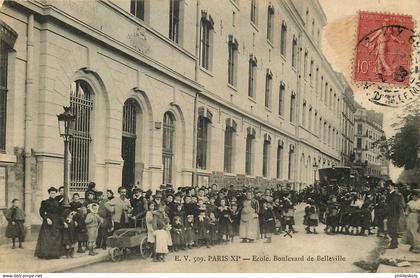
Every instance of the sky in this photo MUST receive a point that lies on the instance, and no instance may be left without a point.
(338, 42)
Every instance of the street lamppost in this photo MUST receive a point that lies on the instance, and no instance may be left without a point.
(315, 166)
(65, 119)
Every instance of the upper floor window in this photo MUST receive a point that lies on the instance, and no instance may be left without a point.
(283, 38)
(137, 8)
(304, 114)
(313, 27)
(252, 76)
(254, 11)
(294, 52)
(359, 129)
(206, 40)
(232, 60)
(268, 85)
(292, 107)
(282, 91)
(305, 64)
(311, 71)
(270, 23)
(174, 19)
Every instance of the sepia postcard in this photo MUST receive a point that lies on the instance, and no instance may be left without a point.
(209, 136)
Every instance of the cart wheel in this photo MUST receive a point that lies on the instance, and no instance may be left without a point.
(115, 253)
(146, 250)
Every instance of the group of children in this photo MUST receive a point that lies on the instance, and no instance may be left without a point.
(210, 217)
(175, 219)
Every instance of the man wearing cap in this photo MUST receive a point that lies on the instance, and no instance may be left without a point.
(139, 205)
(119, 208)
(393, 203)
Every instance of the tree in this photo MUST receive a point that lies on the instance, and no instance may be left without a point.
(401, 148)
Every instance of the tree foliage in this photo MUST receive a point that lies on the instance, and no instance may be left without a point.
(401, 148)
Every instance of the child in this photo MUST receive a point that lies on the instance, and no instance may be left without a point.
(15, 218)
(80, 229)
(332, 215)
(178, 233)
(288, 214)
(69, 235)
(189, 231)
(268, 221)
(311, 217)
(93, 220)
(225, 226)
(234, 219)
(75, 203)
(213, 231)
(161, 227)
(202, 228)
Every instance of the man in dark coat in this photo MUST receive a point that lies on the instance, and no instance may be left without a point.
(393, 204)
(139, 205)
(49, 244)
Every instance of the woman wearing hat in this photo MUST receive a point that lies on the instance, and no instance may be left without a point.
(249, 227)
(49, 244)
(412, 235)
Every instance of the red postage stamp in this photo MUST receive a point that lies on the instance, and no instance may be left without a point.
(383, 49)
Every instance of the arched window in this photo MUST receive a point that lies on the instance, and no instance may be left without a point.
(249, 151)
(254, 11)
(292, 107)
(290, 173)
(294, 52)
(270, 23)
(204, 119)
(81, 104)
(304, 114)
(268, 85)
(252, 76)
(128, 144)
(174, 19)
(266, 155)
(168, 146)
(279, 158)
(283, 38)
(206, 40)
(228, 145)
(282, 91)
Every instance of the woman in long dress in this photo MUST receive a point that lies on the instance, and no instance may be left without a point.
(412, 235)
(249, 224)
(49, 244)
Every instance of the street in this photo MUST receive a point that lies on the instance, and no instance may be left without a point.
(302, 253)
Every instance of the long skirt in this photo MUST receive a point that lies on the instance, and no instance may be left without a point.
(161, 241)
(249, 229)
(49, 244)
(412, 236)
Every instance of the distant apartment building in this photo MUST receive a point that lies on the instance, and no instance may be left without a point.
(368, 130)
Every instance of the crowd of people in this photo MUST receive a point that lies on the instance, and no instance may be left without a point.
(191, 217)
(392, 210)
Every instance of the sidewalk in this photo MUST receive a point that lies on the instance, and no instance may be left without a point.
(401, 253)
(23, 260)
